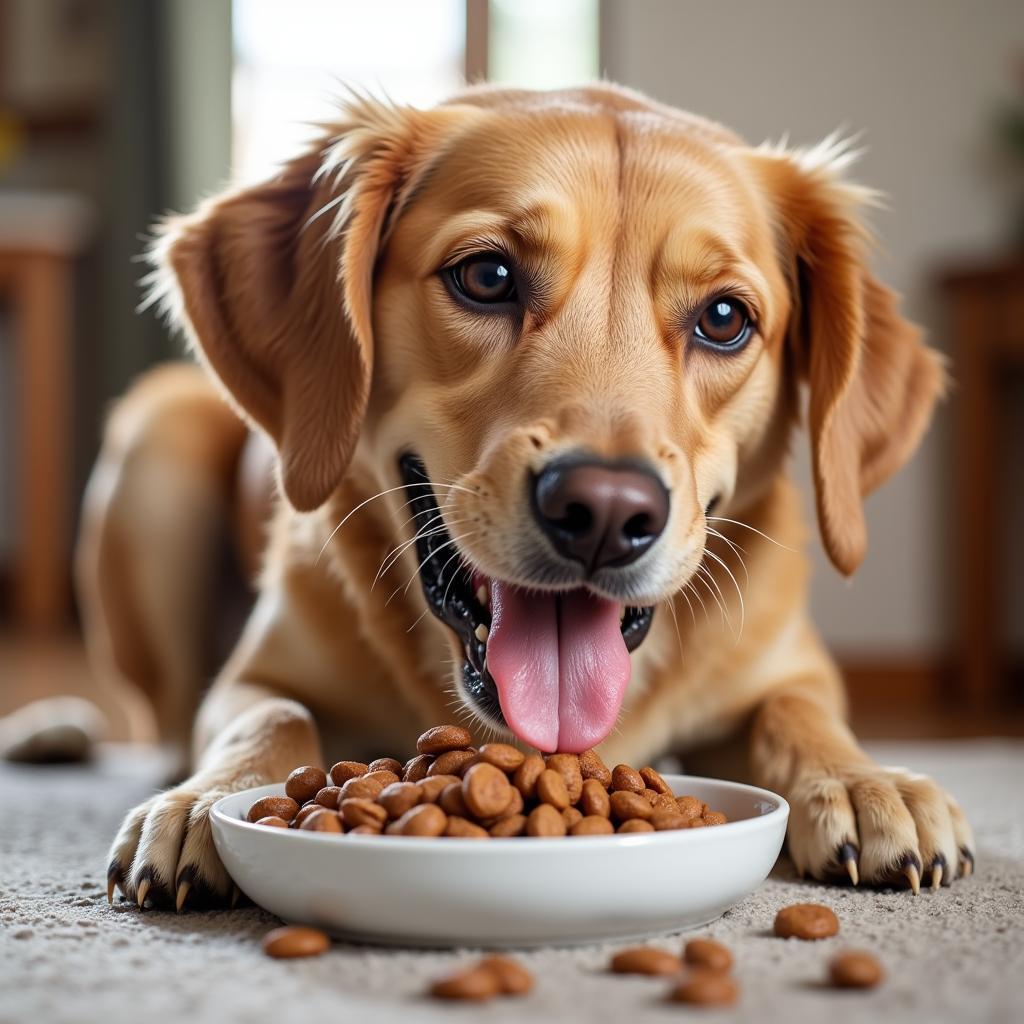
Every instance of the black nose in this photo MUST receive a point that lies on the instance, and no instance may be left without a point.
(600, 514)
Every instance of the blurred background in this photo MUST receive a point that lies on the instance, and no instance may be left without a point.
(115, 111)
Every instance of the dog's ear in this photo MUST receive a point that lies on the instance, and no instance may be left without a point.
(273, 284)
(872, 382)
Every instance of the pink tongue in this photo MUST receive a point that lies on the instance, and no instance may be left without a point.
(560, 665)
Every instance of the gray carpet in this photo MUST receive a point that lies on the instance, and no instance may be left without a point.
(65, 955)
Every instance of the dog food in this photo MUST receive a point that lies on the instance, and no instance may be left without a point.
(454, 790)
(854, 969)
(492, 976)
(806, 921)
(288, 943)
(645, 960)
(705, 988)
(708, 955)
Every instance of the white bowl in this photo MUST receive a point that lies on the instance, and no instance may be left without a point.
(506, 892)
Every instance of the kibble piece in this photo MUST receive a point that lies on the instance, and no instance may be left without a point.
(273, 806)
(626, 805)
(398, 798)
(636, 825)
(416, 768)
(594, 799)
(854, 969)
(592, 767)
(386, 764)
(714, 818)
(551, 789)
(451, 801)
(515, 803)
(527, 774)
(462, 828)
(322, 820)
(664, 802)
(592, 825)
(627, 779)
(708, 954)
(442, 738)
(364, 830)
(697, 822)
(506, 828)
(273, 821)
(329, 797)
(476, 984)
(513, 978)
(304, 783)
(666, 821)
(451, 762)
(382, 777)
(426, 820)
(568, 766)
(806, 921)
(485, 790)
(433, 786)
(304, 813)
(645, 960)
(502, 755)
(363, 812)
(690, 806)
(361, 787)
(653, 780)
(544, 821)
(571, 816)
(345, 770)
(286, 943)
(706, 988)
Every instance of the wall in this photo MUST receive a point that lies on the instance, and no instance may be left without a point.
(919, 78)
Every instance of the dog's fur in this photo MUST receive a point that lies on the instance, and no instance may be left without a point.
(313, 302)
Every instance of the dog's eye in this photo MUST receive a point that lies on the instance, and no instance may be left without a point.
(724, 323)
(486, 279)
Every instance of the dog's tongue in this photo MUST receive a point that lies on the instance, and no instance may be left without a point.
(560, 665)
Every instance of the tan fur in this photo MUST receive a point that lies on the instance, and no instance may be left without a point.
(315, 303)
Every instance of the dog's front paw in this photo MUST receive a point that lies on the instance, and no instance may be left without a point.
(164, 851)
(878, 825)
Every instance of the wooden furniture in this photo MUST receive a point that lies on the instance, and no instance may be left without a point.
(986, 317)
(40, 236)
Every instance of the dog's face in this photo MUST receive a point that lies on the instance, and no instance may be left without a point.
(574, 329)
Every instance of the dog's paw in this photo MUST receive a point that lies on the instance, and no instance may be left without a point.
(164, 852)
(878, 826)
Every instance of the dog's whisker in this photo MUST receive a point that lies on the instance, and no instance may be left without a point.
(416, 572)
(396, 553)
(736, 550)
(715, 591)
(675, 620)
(739, 593)
(760, 533)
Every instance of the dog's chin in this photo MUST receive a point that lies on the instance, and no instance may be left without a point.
(461, 597)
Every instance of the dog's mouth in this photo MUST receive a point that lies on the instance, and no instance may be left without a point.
(552, 667)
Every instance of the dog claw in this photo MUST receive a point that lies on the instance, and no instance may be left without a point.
(966, 862)
(143, 891)
(911, 865)
(181, 895)
(847, 856)
(938, 869)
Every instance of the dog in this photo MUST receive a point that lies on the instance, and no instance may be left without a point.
(495, 401)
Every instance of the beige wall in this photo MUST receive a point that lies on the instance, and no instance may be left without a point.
(919, 78)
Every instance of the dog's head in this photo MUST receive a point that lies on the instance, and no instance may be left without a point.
(571, 325)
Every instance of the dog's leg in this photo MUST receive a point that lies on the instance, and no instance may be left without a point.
(849, 815)
(164, 852)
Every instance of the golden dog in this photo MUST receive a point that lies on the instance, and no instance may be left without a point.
(543, 351)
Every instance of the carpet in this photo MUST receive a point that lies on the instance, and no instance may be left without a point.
(65, 955)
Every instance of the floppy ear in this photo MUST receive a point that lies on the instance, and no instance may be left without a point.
(273, 285)
(872, 382)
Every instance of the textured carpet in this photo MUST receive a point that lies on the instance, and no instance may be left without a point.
(65, 955)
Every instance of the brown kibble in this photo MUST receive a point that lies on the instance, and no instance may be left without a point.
(462, 828)
(364, 830)
(442, 738)
(592, 767)
(705, 988)
(502, 755)
(398, 798)
(476, 984)
(527, 774)
(592, 825)
(714, 818)
(594, 799)
(382, 777)
(697, 822)
(551, 789)
(653, 780)
(290, 942)
(626, 805)
(636, 825)
(329, 797)
(650, 796)
(645, 960)
(451, 801)
(322, 820)
(485, 790)
(544, 821)
(433, 786)
(345, 770)
(363, 812)
(667, 821)
(690, 806)
(627, 779)
(571, 816)
(806, 921)
(361, 788)
(515, 803)
(426, 820)
(708, 954)
(664, 802)
(304, 783)
(568, 766)
(513, 978)
(451, 762)
(273, 821)
(855, 969)
(305, 812)
(416, 768)
(386, 764)
(273, 807)
(506, 828)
